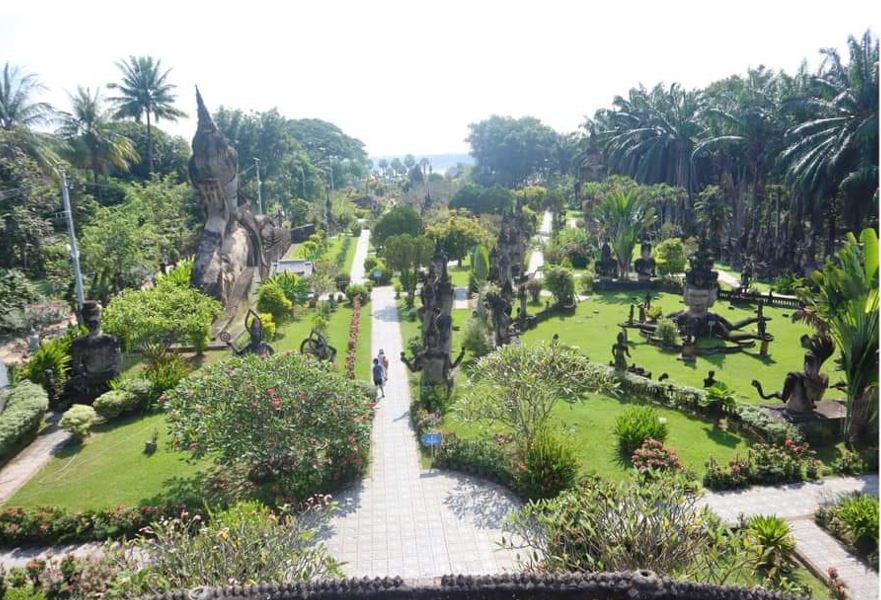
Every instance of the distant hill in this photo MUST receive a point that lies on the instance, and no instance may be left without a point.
(440, 163)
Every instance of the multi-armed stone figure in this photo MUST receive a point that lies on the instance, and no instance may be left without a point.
(437, 325)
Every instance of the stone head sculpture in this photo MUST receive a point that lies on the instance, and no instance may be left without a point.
(91, 313)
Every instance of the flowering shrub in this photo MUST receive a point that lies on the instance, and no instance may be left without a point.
(297, 427)
(52, 525)
(653, 457)
(764, 464)
(354, 330)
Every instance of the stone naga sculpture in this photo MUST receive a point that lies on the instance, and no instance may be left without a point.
(232, 239)
(802, 391)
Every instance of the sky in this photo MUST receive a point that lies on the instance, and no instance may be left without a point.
(408, 77)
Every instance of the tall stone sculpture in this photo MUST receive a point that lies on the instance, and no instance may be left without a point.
(802, 391)
(700, 292)
(95, 359)
(437, 324)
(507, 257)
(231, 246)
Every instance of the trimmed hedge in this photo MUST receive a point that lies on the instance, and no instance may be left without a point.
(114, 403)
(26, 405)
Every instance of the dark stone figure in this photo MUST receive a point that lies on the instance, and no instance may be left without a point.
(500, 311)
(746, 277)
(95, 359)
(630, 316)
(642, 313)
(688, 352)
(620, 353)
(256, 345)
(606, 267)
(316, 345)
(802, 391)
(710, 379)
(648, 300)
(645, 264)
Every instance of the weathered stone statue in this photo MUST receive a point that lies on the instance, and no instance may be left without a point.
(620, 352)
(254, 327)
(700, 291)
(645, 264)
(746, 277)
(316, 345)
(500, 312)
(802, 391)
(606, 266)
(437, 295)
(95, 359)
(231, 246)
(507, 257)
(630, 316)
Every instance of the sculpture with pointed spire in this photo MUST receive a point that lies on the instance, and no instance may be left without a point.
(231, 247)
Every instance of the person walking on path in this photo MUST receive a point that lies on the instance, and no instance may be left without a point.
(383, 360)
(378, 374)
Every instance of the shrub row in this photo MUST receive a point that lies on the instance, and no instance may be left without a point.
(764, 465)
(354, 330)
(25, 406)
(54, 525)
(340, 259)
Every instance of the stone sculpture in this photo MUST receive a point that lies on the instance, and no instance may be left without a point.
(645, 264)
(95, 359)
(500, 312)
(316, 345)
(802, 391)
(256, 345)
(507, 257)
(620, 353)
(606, 266)
(232, 243)
(700, 292)
(437, 294)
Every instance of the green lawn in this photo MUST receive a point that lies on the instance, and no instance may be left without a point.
(290, 335)
(587, 429)
(109, 469)
(334, 247)
(594, 326)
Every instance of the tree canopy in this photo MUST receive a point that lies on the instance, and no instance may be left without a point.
(511, 152)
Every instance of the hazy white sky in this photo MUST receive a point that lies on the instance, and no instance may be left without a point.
(410, 76)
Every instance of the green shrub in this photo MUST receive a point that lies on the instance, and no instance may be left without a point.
(476, 337)
(165, 369)
(853, 519)
(560, 283)
(604, 526)
(764, 464)
(355, 228)
(654, 312)
(110, 405)
(26, 404)
(670, 256)
(720, 399)
(295, 288)
(546, 468)
(637, 424)
(297, 428)
(667, 333)
(181, 274)
(166, 314)
(52, 355)
(480, 457)
(359, 290)
(78, 420)
(16, 292)
(534, 287)
(269, 326)
(849, 463)
(771, 540)
(141, 387)
(271, 299)
(586, 282)
(370, 263)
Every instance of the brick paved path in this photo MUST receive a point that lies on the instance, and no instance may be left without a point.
(797, 504)
(402, 520)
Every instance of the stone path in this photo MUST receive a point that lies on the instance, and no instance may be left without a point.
(797, 503)
(402, 520)
(30, 460)
(357, 274)
(460, 300)
(537, 258)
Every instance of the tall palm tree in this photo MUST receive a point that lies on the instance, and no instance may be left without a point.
(145, 92)
(20, 113)
(713, 214)
(93, 144)
(835, 149)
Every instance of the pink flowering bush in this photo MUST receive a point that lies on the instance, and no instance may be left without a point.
(653, 457)
(291, 426)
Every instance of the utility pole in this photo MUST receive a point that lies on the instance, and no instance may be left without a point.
(74, 251)
(259, 196)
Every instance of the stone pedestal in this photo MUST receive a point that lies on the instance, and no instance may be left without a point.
(823, 425)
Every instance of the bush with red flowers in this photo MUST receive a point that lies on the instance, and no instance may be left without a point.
(654, 457)
(765, 464)
(354, 330)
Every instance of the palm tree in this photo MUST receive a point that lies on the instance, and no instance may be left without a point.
(145, 92)
(713, 214)
(846, 308)
(20, 114)
(834, 151)
(621, 218)
(93, 144)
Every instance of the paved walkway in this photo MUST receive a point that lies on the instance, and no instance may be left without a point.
(405, 521)
(30, 460)
(537, 258)
(460, 300)
(357, 274)
(797, 503)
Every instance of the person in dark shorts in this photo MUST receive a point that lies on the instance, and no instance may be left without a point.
(378, 376)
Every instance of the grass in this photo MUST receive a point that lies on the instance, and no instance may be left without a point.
(594, 326)
(587, 428)
(290, 335)
(109, 469)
